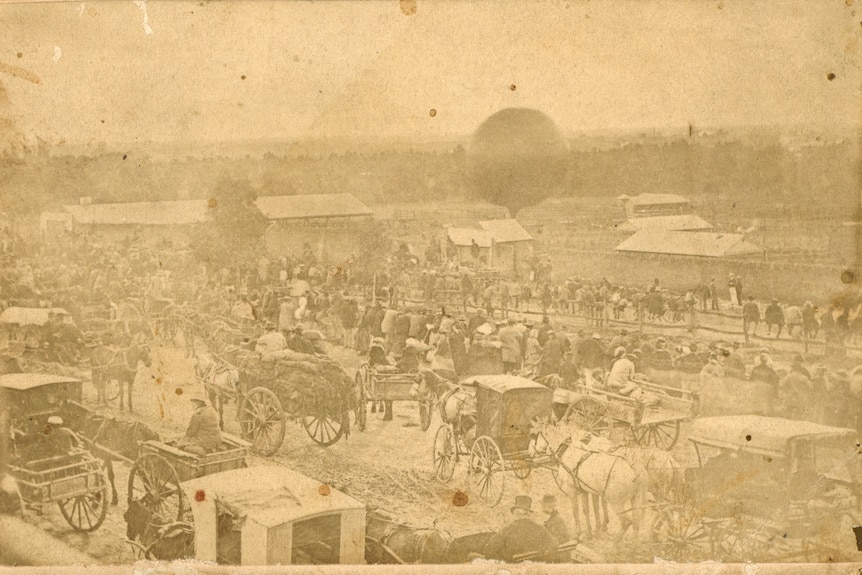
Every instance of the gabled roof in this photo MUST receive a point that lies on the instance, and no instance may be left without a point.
(465, 237)
(699, 244)
(304, 206)
(683, 222)
(504, 231)
(180, 212)
(759, 433)
(654, 199)
(270, 495)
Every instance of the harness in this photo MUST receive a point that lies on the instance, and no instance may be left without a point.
(573, 472)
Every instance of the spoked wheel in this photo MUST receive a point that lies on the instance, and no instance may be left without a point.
(361, 403)
(112, 389)
(487, 470)
(590, 414)
(663, 435)
(155, 485)
(522, 466)
(87, 512)
(261, 420)
(325, 425)
(445, 453)
(424, 414)
(681, 534)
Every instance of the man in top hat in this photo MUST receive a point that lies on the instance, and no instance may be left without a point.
(522, 537)
(203, 434)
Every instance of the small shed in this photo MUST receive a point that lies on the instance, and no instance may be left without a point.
(504, 245)
(693, 244)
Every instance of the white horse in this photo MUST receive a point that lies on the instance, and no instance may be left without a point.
(609, 477)
(220, 381)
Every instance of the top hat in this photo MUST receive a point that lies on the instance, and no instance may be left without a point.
(523, 502)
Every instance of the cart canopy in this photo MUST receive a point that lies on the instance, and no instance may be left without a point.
(506, 406)
(760, 434)
(29, 315)
(25, 381)
(271, 496)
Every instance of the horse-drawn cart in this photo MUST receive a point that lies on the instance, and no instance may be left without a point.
(314, 390)
(766, 489)
(378, 384)
(158, 509)
(653, 417)
(494, 428)
(49, 464)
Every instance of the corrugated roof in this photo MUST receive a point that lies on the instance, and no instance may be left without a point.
(687, 222)
(700, 244)
(504, 231)
(465, 237)
(29, 315)
(270, 495)
(311, 206)
(759, 433)
(182, 212)
(24, 381)
(653, 199)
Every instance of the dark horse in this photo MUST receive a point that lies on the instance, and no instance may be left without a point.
(121, 365)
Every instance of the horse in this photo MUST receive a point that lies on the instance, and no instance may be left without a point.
(389, 542)
(219, 379)
(456, 405)
(120, 365)
(621, 484)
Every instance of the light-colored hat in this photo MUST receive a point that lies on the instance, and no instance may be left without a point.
(55, 420)
(620, 351)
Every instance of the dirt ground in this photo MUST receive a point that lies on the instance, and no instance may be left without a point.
(388, 466)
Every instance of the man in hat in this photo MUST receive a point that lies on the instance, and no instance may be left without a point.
(773, 315)
(750, 317)
(203, 434)
(553, 355)
(592, 354)
(270, 341)
(510, 337)
(622, 371)
(523, 538)
(554, 523)
(56, 439)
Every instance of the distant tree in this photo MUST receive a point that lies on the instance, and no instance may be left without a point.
(235, 232)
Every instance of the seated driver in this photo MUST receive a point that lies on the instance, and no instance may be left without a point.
(203, 434)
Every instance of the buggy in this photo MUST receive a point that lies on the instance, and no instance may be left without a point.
(765, 489)
(45, 469)
(494, 429)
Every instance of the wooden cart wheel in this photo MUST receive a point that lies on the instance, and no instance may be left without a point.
(261, 420)
(522, 466)
(591, 414)
(155, 485)
(663, 435)
(681, 534)
(424, 414)
(445, 453)
(325, 422)
(487, 470)
(87, 512)
(361, 402)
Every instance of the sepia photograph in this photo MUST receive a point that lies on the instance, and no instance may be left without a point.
(484, 286)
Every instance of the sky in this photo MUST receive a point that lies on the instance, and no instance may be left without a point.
(203, 72)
